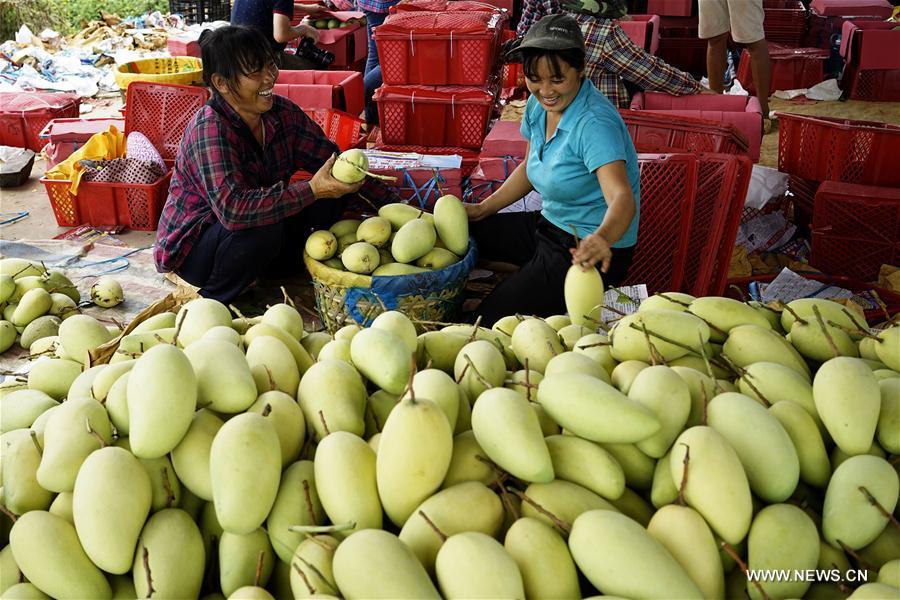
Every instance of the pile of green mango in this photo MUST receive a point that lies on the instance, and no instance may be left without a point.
(400, 240)
(221, 456)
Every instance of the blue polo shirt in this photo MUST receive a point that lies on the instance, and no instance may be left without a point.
(257, 14)
(563, 169)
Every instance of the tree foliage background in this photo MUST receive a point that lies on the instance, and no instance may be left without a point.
(66, 16)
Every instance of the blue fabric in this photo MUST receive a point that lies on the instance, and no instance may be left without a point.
(563, 169)
(390, 290)
(257, 14)
(372, 73)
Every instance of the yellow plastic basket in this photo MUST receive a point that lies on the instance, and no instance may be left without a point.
(182, 70)
(343, 298)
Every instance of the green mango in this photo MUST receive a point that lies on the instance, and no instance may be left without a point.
(586, 464)
(20, 408)
(163, 320)
(313, 558)
(469, 506)
(782, 537)
(383, 358)
(479, 365)
(475, 565)
(225, 383)
(748, 344)
(197, 316)
(32, 304)
(562, 499)
(42, 327)
(663, 491)
(815, 468)
(8, 335)
(598, 347)
(117, 404)
(47, 550)
(110, 503)
(848, 516)
(345, 478)
(239, 556)
(294, 506)
(684, 533)
(62, 506)
(464, 464)
(717, 485)
(543, 558)
(637, 466)
(272, 365)
(534, 343)
(887, 348)
(830, 311)
(53, 376)
(81, 333)
(623, 374)
(286, 317)
(620, 557)
(332, 396)
(438, 387)
(440, 349)
(575, 362)
(667, 396)
(314, 341)
(888, 428)
(287, 417)
(171, 546)
(164, 484)
(7, 287)
(245, 469)
(375, 564)
(702, 388)
(630, 342)
(9, 570)
(57, 282)
(21, 491)
(68, 441)
(775, 383)
(848, 400)
(724, 314)
(25, 591)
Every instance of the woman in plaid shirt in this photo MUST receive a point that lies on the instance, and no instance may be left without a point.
(232, 213)
(611, 56)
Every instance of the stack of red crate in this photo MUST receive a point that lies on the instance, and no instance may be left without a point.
(871, 68)
(441, 75)
(826, 18)
(679, 45)
(785, 21)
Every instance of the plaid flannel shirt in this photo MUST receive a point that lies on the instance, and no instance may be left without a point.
(611, 56)
(221, 173)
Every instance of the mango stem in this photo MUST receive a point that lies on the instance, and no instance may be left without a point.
(440, 534)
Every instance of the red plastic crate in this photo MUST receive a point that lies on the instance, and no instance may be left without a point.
(643, 31)
(159, 111)
(434, 116)
(828, 149)
(792, 68)
(668, 189)
(852, 8)
(65, 136)
(323, 89)
(23, 115)
(856, 229)
(785, 21)
(186, 45)
(658, 132)
(342, 128)
(874, 85)
(686, 53)
(450, 48)
(870, 44)
(443, 6)
(743, 112)
(669, 8)
(721, 188)
(349, 43)
(737, 288)
(802, 200)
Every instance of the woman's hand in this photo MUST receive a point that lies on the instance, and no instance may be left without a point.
(304, 30)
(323, 185)
(478, 211)
(592, 249)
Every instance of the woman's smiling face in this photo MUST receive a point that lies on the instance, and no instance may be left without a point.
(252, 94)
(554, 89)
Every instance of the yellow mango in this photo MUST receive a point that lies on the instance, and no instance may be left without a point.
(440, 349)
(21, 491)
(464, 463)
(534, 343)
(574, 362)
(724, 314)
(110, 503)
(346, 481)
(888, 428)
(162, 398)
(507, 429)
(333, 398)
(159, 321)
(525, 381)
(239, 557)
(33, 304)
(469, 506)
(20, 408)
(848, 516)
(623, 374)
(782, 537)
(776, 383)
(595, 410)
(687, 537)
(314, 341)
(105, 379)
(887, 349)
(373, 564)
(399, 324)
(414, 239)
(759, 441)
(583, 293)
(301, 356)
(272, 365)
(716, 486)
(171, 546)
(619, 557)
(663, 491)
(830, 311)
(47, 550)
(586, 464)
(53, 376)
(190, 458)
(678, 301)
(438, 387)
(452, 223)
(848, 400)
(598, 347)
(245, 469)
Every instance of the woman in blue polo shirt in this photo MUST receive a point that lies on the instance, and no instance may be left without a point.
(582, 162)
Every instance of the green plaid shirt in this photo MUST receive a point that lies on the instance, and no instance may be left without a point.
(611, 58)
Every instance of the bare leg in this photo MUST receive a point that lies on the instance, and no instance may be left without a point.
(716, 62)
(761, 66)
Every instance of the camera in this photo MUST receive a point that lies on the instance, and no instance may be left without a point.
(307, 49)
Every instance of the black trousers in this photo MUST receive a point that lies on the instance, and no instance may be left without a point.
(222, 263)
(541, 249)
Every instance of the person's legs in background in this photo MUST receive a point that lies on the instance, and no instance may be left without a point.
(716, 61)
(372, 73)
(714, 25)
(747, 28)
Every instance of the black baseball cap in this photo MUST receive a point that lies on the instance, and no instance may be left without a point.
(552, 32)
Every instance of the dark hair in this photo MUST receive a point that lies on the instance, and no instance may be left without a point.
(574, 57)
(232, 51)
